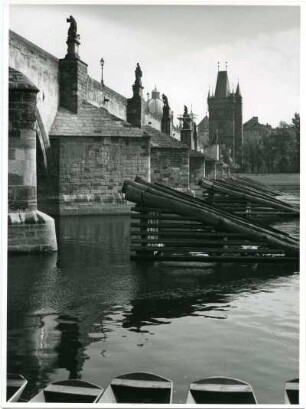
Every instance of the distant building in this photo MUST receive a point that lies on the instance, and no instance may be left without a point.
(154, 105)
(203, 133)
(225, 119)
(253, 130)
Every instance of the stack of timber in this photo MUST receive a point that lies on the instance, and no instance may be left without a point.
(245, 199)
(171, 225)
(258, 186)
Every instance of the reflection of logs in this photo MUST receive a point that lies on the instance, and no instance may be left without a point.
(184, 224)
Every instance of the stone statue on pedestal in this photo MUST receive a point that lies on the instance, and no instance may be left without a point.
(186, 118)
(72, 31)
(73, 40)
(138, 75)
(166, 118)
(137, 86)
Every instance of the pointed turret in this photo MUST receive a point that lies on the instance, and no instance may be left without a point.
(222, 86)
(238, 91)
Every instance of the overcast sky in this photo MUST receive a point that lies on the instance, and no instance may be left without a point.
(178, 48)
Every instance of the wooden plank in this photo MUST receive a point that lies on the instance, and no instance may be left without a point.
(145, 195)
(246, 194)
(292, 386)
(183, 225)
(73, 390)
(220, 259)
(162, 217)
(206, 250)
(15, 383)
(179, 242)
(141, 384)
(218, 388)
(184, 233)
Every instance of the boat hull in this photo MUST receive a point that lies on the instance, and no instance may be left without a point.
(15, 385)
(138, 387)
(220, 390)
(70, 391)
(292, 392)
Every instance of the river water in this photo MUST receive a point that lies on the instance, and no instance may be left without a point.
(89, 312)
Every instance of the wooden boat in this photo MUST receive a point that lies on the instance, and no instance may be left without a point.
(15, 385)
(138, 387)
(220, 390)
(292, 392)
(72, 390)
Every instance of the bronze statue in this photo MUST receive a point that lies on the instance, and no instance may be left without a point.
(185, 111)
(72, 31)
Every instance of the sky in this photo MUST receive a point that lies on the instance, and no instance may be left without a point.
(178, 49)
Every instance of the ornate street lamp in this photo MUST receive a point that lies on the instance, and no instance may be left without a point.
(102, 65)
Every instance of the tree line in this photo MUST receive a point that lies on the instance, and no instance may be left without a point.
(278, 151)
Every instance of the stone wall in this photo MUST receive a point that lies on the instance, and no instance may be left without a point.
(42, 69)
(106, 97)
(29, 230)
(197, 170)
(73, 83)
(170, 167)
(210, 170)
(22, 150)
(88, 173)
(152, 120)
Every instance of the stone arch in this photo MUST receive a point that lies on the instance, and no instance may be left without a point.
(42, 138)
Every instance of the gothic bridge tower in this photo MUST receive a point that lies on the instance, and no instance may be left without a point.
(225, 118)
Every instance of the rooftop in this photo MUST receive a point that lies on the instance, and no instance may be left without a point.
(162, 140)
(91, 121)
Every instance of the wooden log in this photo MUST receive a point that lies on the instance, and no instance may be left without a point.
(191, 243)
(219, 259)
(150, 196)
(209, 250)
(175, 226)
(261, 194)
(184, 234)
(247, 195)
(260, 186)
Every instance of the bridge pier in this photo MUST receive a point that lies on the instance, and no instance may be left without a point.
(29, 230)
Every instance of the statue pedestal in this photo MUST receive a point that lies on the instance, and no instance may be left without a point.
(73, 49)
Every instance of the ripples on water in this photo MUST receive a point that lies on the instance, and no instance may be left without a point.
(89, 312)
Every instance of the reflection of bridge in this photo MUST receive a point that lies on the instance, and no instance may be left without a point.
(40, 338)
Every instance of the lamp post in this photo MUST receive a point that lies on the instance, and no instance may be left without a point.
(102, 65)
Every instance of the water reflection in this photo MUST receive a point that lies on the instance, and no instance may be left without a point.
(169, 292)
(92, 313)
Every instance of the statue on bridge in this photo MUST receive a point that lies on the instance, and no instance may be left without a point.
(73, 30)
(138, 75)
(137, 86)
(73, 40)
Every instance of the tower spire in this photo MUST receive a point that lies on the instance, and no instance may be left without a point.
(238, 90)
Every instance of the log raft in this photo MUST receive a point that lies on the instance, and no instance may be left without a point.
(170, 225)
(251, 201)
